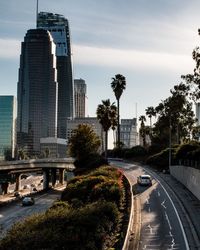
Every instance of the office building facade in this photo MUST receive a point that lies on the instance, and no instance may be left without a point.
(80, 98)
(8, 115)
(37, 91)
(58, 26)
(128, 132)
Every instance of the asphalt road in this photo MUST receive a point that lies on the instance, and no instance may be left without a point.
(16, 212)
(160, 226)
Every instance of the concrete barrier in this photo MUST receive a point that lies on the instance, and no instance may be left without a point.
(189, 177)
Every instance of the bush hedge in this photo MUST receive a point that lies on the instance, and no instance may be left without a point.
(87, 218)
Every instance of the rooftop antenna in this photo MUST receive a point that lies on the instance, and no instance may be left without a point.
(37, 14)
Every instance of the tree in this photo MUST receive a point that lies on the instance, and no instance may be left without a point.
(22, 154)
(83, 142)
(142, 119)
(47, 152)
(150, 111)
(118, 85)
(193, 80)
(106, 114)
(175, 117)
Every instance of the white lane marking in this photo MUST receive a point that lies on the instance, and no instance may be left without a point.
(173, 241)
(175, 210)
(158, 193)
(168, 221)
(162, 204)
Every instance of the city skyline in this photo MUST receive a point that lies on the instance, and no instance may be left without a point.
(149, 43)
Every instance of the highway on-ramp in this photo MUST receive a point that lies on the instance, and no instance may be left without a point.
(158, 222)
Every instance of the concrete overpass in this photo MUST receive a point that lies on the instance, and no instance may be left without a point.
(49, 167)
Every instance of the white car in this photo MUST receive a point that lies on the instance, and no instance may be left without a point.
(144, 180)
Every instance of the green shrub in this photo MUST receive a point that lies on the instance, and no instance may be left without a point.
(75, 229)
(194, 155)
(135, 152)
(81, 188)
(160, 160)
(183, 150)
(87, 221)
(92, 161)
(109, 191)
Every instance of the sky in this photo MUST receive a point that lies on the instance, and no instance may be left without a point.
(150, 42)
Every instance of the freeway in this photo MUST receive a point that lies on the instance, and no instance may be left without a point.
(15, 212)
(157, 222)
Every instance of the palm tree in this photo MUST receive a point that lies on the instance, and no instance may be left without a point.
(106, 114)
(150, 111)
(21, 154)
(114, 125)
(142, 119)
(118, 85)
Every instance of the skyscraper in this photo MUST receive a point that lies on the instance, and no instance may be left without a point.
(8, 115)
(58, 26)
(80, 97)
(37, 91)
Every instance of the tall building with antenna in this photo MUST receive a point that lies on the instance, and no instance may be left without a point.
(58, 26)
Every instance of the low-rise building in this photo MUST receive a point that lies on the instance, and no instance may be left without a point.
(128, 132)
(53, 147)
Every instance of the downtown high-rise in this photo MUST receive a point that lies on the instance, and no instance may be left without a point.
(37, 91)
(58, 26)
(80, 97)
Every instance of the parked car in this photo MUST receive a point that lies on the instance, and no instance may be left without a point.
(144, 180)
(28, 201)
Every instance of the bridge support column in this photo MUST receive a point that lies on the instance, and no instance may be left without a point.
(18, 182)
(53, 176)
(61, 176)
(45, 178)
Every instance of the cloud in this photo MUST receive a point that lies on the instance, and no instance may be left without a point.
(9, 48)
(132, 59)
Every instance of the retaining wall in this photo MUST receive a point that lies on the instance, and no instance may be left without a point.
(189, 177)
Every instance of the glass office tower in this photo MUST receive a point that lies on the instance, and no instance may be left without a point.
(58, 26)
(8, 114)
(37, 91)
